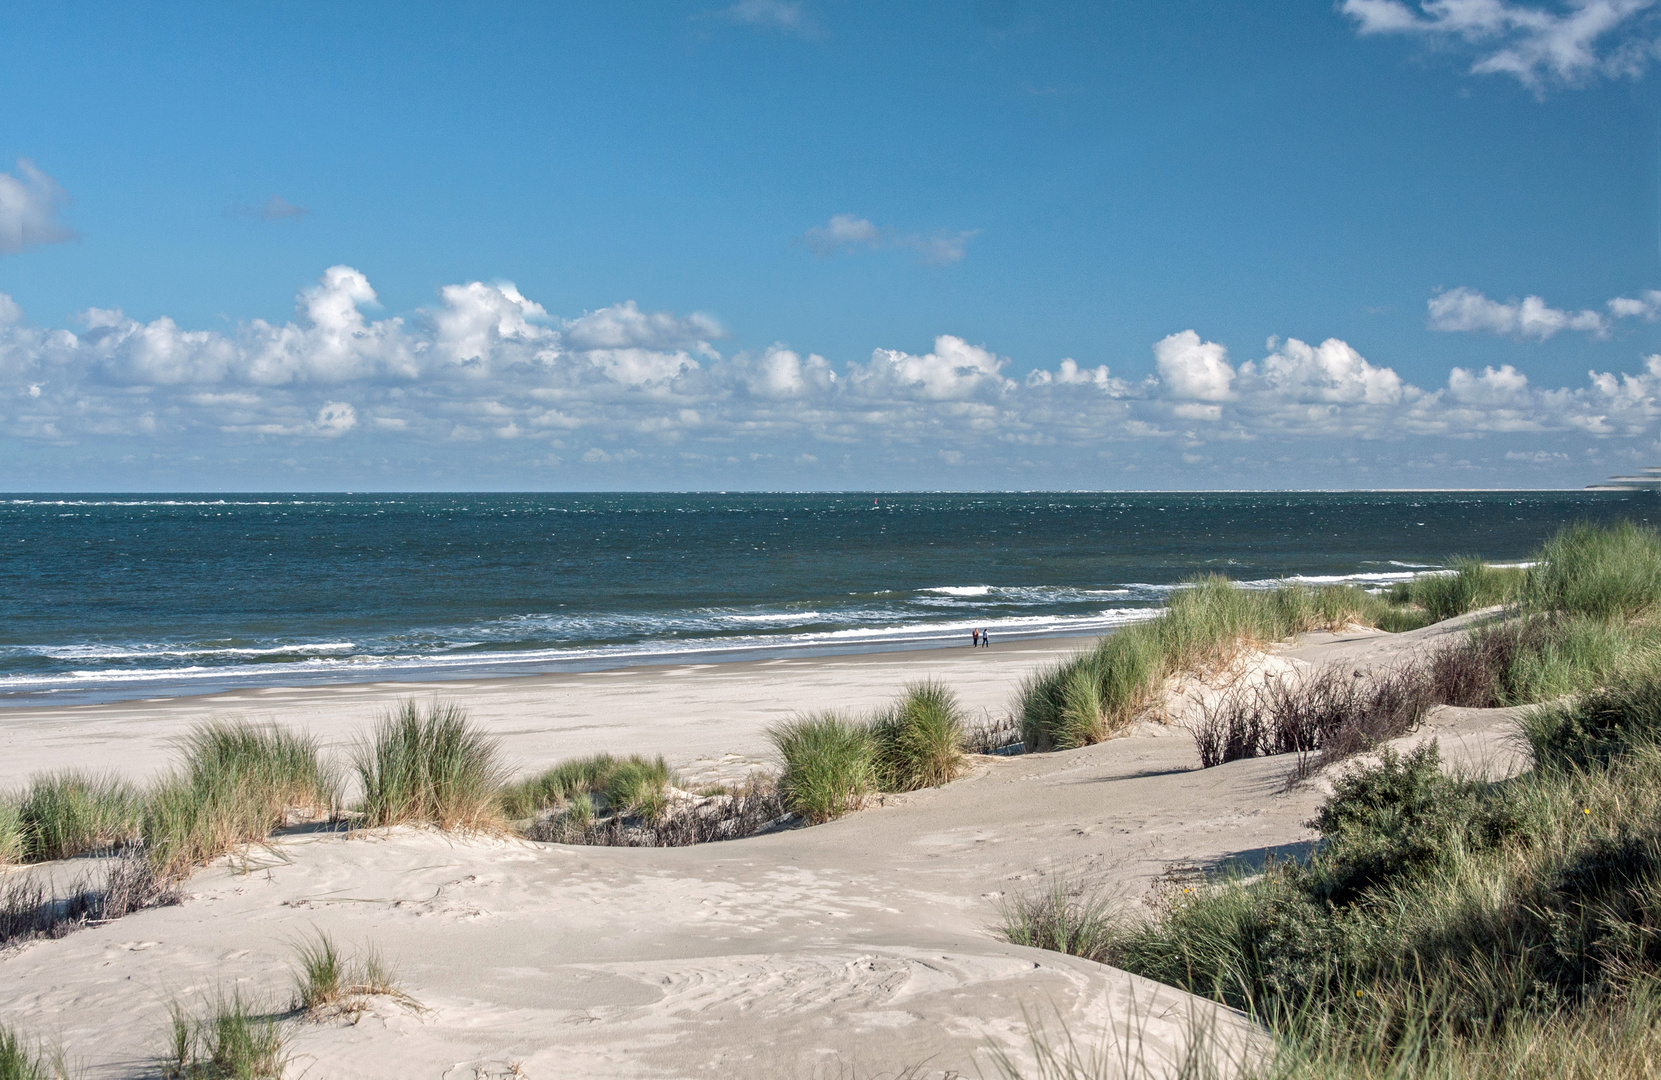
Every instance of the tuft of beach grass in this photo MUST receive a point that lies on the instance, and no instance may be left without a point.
(326, 979)
(1065, 916)
(830, 764)
(238, 782)
(633, 786)
(834, 762)
(11, 832)
(19, 1062)
(231, 1041)
(430, 766)
(1603, 572)
(1468, 583)
(71, 813)
(919, 739)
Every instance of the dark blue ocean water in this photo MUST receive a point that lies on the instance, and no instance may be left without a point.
(105, 597)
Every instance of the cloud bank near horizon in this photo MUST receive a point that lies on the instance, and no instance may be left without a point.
(488, 373)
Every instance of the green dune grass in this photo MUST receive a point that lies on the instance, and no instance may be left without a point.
(833, 762)
(633, 786)
(237, 782)
(1447, 926)
(429, 766)
(1088, 697)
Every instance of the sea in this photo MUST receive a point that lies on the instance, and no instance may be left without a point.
(111, 597)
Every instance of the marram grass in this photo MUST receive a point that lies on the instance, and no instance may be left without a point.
(237, 783)
(327, 978)
(1088, 697)
(430, 766)
(65, 814)
(633, 786)
(1604, 572)
(1588, 607)
(834, 762)
(1472, 584)
(830, 764)
(231, 1041)
(919, 738)
(19, 1062)
(11, 832)
(61, 815)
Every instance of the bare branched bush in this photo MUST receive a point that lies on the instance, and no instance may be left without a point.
(1336, 712)
(31, 908)
(991, 733)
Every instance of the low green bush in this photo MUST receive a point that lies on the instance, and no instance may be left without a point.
(1609, 723)
(1397, 820)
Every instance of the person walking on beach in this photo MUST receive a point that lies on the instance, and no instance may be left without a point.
(974, 637)
(986, 639)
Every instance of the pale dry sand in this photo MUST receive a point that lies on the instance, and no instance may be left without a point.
(858, 948)
(710, 719)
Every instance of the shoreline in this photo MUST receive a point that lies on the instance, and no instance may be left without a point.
(708, 718)
(169, 684)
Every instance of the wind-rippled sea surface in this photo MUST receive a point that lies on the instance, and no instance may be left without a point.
(107, 597)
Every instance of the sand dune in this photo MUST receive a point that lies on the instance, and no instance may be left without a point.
(857, 948)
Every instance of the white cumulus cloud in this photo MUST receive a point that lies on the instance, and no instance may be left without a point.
(1504, 385)
(1330, 372)
(1191, 368)
(954, 371)
(478, 319)
(625, 326)
(780, 372)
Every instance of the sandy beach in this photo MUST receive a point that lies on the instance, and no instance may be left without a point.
(863, 947)
(708, 719)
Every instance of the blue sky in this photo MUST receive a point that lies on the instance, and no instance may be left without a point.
(826, 245)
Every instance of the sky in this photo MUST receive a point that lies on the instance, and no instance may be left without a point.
(811, 244)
